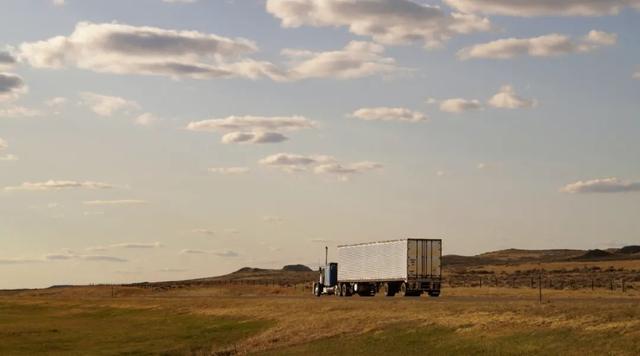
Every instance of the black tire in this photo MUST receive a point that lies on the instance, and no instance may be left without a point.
(347, 289)
(388, 290)
(434, 294)
(402, 291)
(337, 291)
(317, 289)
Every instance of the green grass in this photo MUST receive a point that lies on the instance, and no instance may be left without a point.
(85, 330)
(433, 340)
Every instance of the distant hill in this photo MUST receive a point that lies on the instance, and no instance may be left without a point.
(518, 256)
(297, 268)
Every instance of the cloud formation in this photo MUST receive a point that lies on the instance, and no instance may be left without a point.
(356, 60)
(253, 123)
(229, 170)
(253, 137)
(16, 111)
(7, 60)
(144, 50)
(604, 185)
(11, 86)
(137, 245)
(6, 156)
(388, 114)
(58, 185)
(636, 75)
(220, 253)
(253, 129)
(146, 119)
(459, 105)
(530, 8)
(114, 202)
(318, 164)
(203, 231)
(543, 46)
(106, 105)
(390, 22)
(507, 98)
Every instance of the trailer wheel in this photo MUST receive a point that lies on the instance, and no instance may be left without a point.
(402, 291)
(347, 289)
(388, 290)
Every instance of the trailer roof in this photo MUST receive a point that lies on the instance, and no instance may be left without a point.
(385, 241)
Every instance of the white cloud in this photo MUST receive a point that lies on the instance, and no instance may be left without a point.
(459, 105)
(542, 46)
(14, 112)
(203, 231)
(221, 253)
(19, 260)
(101, 258)
(56, 104)
(172, 270)
(229, 170)
(253, 129)
(253, 123)
(388, 114)
(604, 185)
(114, 202)
(138, 245)
(123, 49)
(58, 2)
(507, 98)
(530, 8)
(318, 164)
(70, 255)
(343, 170)
(386, 21)
(294, 160)
(146, 119)
(358, 59)
(636, 75)
(7, 60)
(105, 105)
(6, 156)
(59, 185)
(11, 86)
(253, 137)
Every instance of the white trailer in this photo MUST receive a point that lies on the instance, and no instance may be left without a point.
(407, 267)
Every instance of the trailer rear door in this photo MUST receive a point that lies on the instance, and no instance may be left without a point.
(423, 258)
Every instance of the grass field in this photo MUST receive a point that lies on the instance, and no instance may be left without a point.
(210, 321)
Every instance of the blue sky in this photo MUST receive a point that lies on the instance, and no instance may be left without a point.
(126, 155)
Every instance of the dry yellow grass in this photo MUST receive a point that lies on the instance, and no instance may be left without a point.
(300, 318)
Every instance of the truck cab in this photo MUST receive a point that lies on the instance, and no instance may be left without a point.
(327, 280)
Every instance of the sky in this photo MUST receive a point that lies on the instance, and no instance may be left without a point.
(167, 139)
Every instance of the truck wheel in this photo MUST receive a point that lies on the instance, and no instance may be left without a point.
(434, 294)
(347, 289)
(402, 290)
(388, 290)
(337, 291)
(317, 289)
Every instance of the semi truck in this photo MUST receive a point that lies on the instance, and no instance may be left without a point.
(405, 267)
